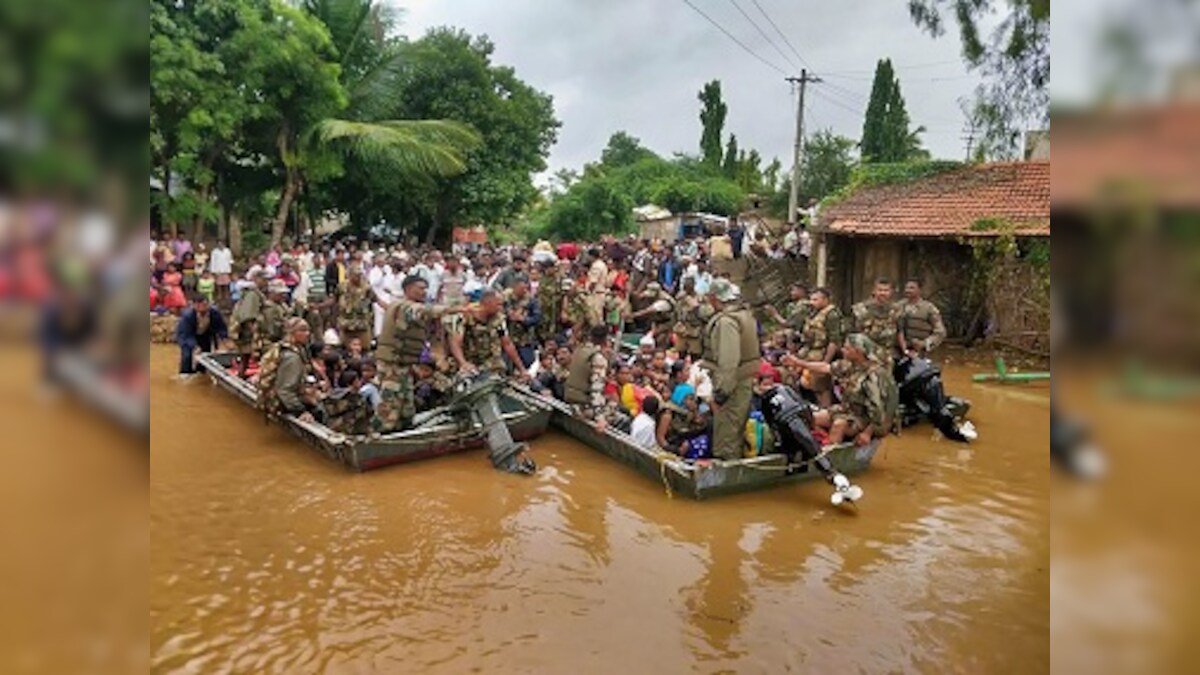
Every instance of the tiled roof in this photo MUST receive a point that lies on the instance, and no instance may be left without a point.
(1149, 154)
(948, 204)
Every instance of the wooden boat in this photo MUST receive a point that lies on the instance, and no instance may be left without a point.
(707, 478)
(439, 434)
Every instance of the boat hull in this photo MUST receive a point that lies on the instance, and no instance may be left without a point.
(707, 479)
(524, 418)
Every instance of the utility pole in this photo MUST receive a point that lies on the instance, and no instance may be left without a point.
(794, 192)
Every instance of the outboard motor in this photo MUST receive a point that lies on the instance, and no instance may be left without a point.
(478, 398)
(790, 416)
(923, 396)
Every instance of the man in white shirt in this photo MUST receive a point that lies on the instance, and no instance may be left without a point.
(220, 263)
(805, 245)
(644, 428)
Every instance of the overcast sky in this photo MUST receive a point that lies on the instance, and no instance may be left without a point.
(637, 65)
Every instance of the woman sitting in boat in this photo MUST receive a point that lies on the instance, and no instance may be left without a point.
(683, 430)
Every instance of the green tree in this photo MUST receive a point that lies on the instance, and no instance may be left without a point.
(592, 207)
(712, 121)
(729, 166)
(623, 150)
(1014, 59)
(827, 164)
(886, 135)
(770, 176)
(749, 172)
(449, 75)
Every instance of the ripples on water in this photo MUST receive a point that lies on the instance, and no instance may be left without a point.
(267, 558)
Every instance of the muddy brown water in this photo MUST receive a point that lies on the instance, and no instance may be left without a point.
(268, 558)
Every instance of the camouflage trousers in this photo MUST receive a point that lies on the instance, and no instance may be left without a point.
(246, 338)
(397, 401)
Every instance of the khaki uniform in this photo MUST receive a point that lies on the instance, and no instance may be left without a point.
(690, 319)
(662, 322)
(732, 354)
(581, 313)
(921, 324)
(822, 329)
(347, 412)
(270, 328)
(403, 338)
(550, 297)
(356, 313)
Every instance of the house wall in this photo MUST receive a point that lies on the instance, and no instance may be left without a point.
(666, 229)
(943, 266)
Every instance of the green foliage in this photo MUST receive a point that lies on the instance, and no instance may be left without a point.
(729, 166)
(1014, 59)
(827, 165)
(749, 172)
(623, 150)
(886, 134)
(594, 206)
(712, 121)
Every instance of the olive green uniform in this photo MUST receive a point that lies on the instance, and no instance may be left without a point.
(347, 412)
(586, 377)
(880, 322)
(244, 319)
(869, 396)
(550, 297)
(921, 324)
(663, 321)
(691, 315)
(732, 354)
(482, 341)
(821, 329)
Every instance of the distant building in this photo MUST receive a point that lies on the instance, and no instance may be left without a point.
(923, 228)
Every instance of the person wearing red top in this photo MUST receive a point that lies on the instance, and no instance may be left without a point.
(174, 301)
(567, 251)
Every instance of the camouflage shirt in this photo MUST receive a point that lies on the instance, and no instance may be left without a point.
(523, 327)
(878, 321)
(355, 308)
(482, 340)
(347, 412)
(868, 392)
(822, 329)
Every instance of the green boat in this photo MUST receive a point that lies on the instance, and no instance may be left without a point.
(439, 432)
(703, 479)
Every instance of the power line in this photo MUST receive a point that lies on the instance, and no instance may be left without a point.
(763, 33)
(737, 41)
(786, 41)
(829, 99)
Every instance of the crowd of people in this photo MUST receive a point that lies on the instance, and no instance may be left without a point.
(651, 338)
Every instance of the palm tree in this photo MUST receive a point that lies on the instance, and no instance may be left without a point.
(362, 32)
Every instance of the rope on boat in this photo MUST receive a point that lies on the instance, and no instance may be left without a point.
(662, 458)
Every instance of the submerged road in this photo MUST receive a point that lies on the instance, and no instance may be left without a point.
(268, 558)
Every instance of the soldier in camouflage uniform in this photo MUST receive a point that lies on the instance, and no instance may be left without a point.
(819, 342)
(921, 327)
(870, 395)
(402, 342)
(795, 314)
(550, 300)
(879, 319)
(691, 315)
(578, 312)
(275, 313)
(356, 312)
(346, 411)
(524, 314)
(283, 387)
(244, 321)
(479, 338)
(661, 311)
(587, 376)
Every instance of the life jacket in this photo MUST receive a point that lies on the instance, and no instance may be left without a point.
(749, 350)
(400, 342)
(579, 376)
(916, 321)
(816, 329)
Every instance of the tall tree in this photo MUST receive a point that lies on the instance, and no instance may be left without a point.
(770, 175)
(712, 121)
(729, 166)
(887, 136)
(1014, 59)
(623, 150)
(749, 176)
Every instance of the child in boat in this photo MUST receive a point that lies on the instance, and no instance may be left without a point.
(369, 389)
(345, 411)
(430, 388)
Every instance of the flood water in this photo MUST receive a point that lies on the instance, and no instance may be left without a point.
(268, 558)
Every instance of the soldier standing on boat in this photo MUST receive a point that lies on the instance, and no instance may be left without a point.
(404, 338)
(879, 319)
(479, 338)
(870, 396)
(244, 319)
(524, 315)
(797, 312)
(732, 354)
(274, 315)
(921, 327)
(691, 315)
(356, 309)
(550, 299)
(820, 340)
(587, 376)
